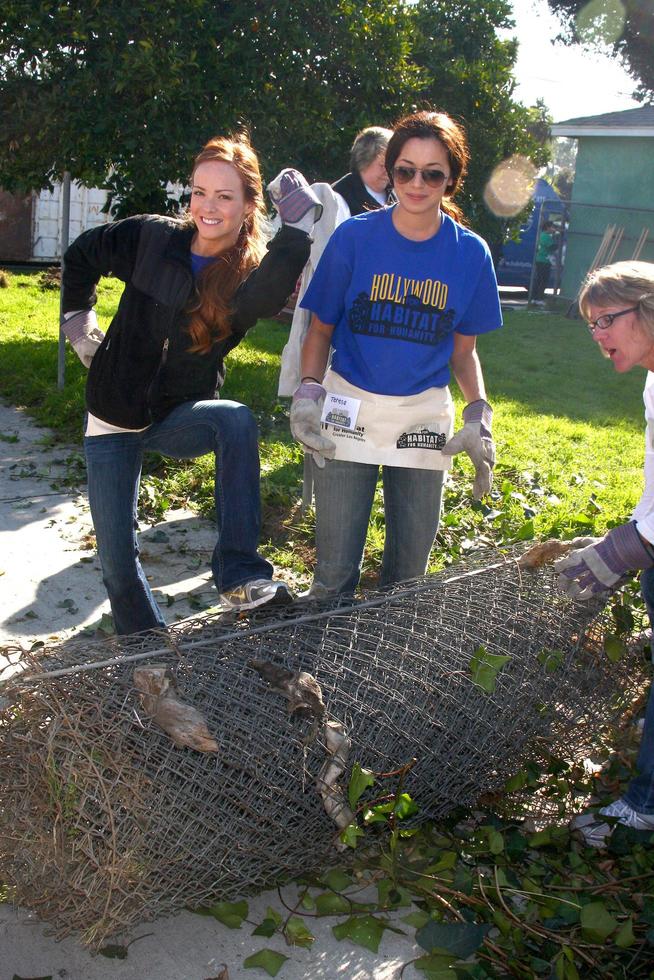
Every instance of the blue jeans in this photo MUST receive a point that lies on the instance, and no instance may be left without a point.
(640, 792)
(344, 497)
(113, 462)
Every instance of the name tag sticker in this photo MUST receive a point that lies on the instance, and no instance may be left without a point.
(341, 411)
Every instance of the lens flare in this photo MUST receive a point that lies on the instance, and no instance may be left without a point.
(600, 22)
(510, 186)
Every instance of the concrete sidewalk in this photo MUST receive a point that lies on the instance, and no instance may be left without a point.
(195, 947)
(50, 588)
(50, 579)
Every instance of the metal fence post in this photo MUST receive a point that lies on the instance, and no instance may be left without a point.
(65, 223)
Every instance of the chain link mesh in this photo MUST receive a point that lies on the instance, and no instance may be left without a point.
(105, 822)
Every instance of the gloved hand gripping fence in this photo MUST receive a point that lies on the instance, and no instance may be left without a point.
(602, 566)
(476, 440)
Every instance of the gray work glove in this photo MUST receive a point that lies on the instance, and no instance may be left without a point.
(306, 409)
(476, 440)
(84, 334)
(297, 203)
(602, 566)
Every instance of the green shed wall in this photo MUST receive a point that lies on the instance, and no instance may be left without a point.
(618, 173)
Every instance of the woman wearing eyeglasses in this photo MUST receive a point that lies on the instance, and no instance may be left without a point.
(400, 294)
(618, 303)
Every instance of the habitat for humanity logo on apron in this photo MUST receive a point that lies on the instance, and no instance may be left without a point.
(389, 430)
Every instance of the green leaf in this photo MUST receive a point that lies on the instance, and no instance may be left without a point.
(266, 959)
(416, 919)
(502, 922)
(391, 895)
(484, 668)
(231, 914)
(583, 519)
(105, 624)
(270, 924)
(330, 903)
(405, 807)
(461, 939)
(350, 835)
(378, 814)
(297, 932)
(267, 928)
(360, 781)
(516, 782)
(525, 532)
(614, 648)
(337, 879)
(308, 902)
(365, 930)
(596, 922)
(624, 937)
(446, 861)
(564, 968)
(436, 967)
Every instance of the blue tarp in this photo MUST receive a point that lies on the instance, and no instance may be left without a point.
(514, 266)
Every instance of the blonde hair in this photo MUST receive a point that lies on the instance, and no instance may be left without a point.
(621, 284)
(217, 283)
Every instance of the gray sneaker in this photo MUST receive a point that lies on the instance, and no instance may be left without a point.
(595, 832)
(258, 592)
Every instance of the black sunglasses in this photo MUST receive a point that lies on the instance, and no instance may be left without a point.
(433, 178)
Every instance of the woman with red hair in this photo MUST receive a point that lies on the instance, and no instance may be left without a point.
(193, 288)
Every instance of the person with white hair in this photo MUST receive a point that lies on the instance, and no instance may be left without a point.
(618, 304)
(366, 187)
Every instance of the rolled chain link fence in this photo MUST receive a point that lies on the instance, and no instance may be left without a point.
(108, 817)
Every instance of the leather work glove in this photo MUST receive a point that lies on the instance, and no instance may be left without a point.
(306, 409)
(297, 203)
(602, 566)
(84, 334)
(476, 440)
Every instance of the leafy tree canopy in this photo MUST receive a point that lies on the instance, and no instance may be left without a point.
(627, 26)
(132, 91)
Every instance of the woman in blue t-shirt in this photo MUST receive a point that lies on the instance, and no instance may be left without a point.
(399, 295)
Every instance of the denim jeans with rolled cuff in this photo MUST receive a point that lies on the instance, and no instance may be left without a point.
(344, 496)
(225, 428)
(640, 792)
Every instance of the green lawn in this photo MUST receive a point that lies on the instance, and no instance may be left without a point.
(569, 430)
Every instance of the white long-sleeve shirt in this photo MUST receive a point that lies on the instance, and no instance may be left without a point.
(644, 512)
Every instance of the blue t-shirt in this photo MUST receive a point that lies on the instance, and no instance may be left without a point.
(395, 303)
(200, 262)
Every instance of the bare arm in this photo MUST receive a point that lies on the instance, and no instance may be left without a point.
(467, 368)
(315, 349)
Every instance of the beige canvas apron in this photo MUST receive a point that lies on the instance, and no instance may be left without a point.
(393, 430)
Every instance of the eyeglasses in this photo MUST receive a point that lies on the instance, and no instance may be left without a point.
(606, 321)
(433, 178)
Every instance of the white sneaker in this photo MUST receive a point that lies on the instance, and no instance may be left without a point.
(258, 592)
(596, 832)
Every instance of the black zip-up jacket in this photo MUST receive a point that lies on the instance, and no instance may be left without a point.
(143, 367)
(357, 198)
